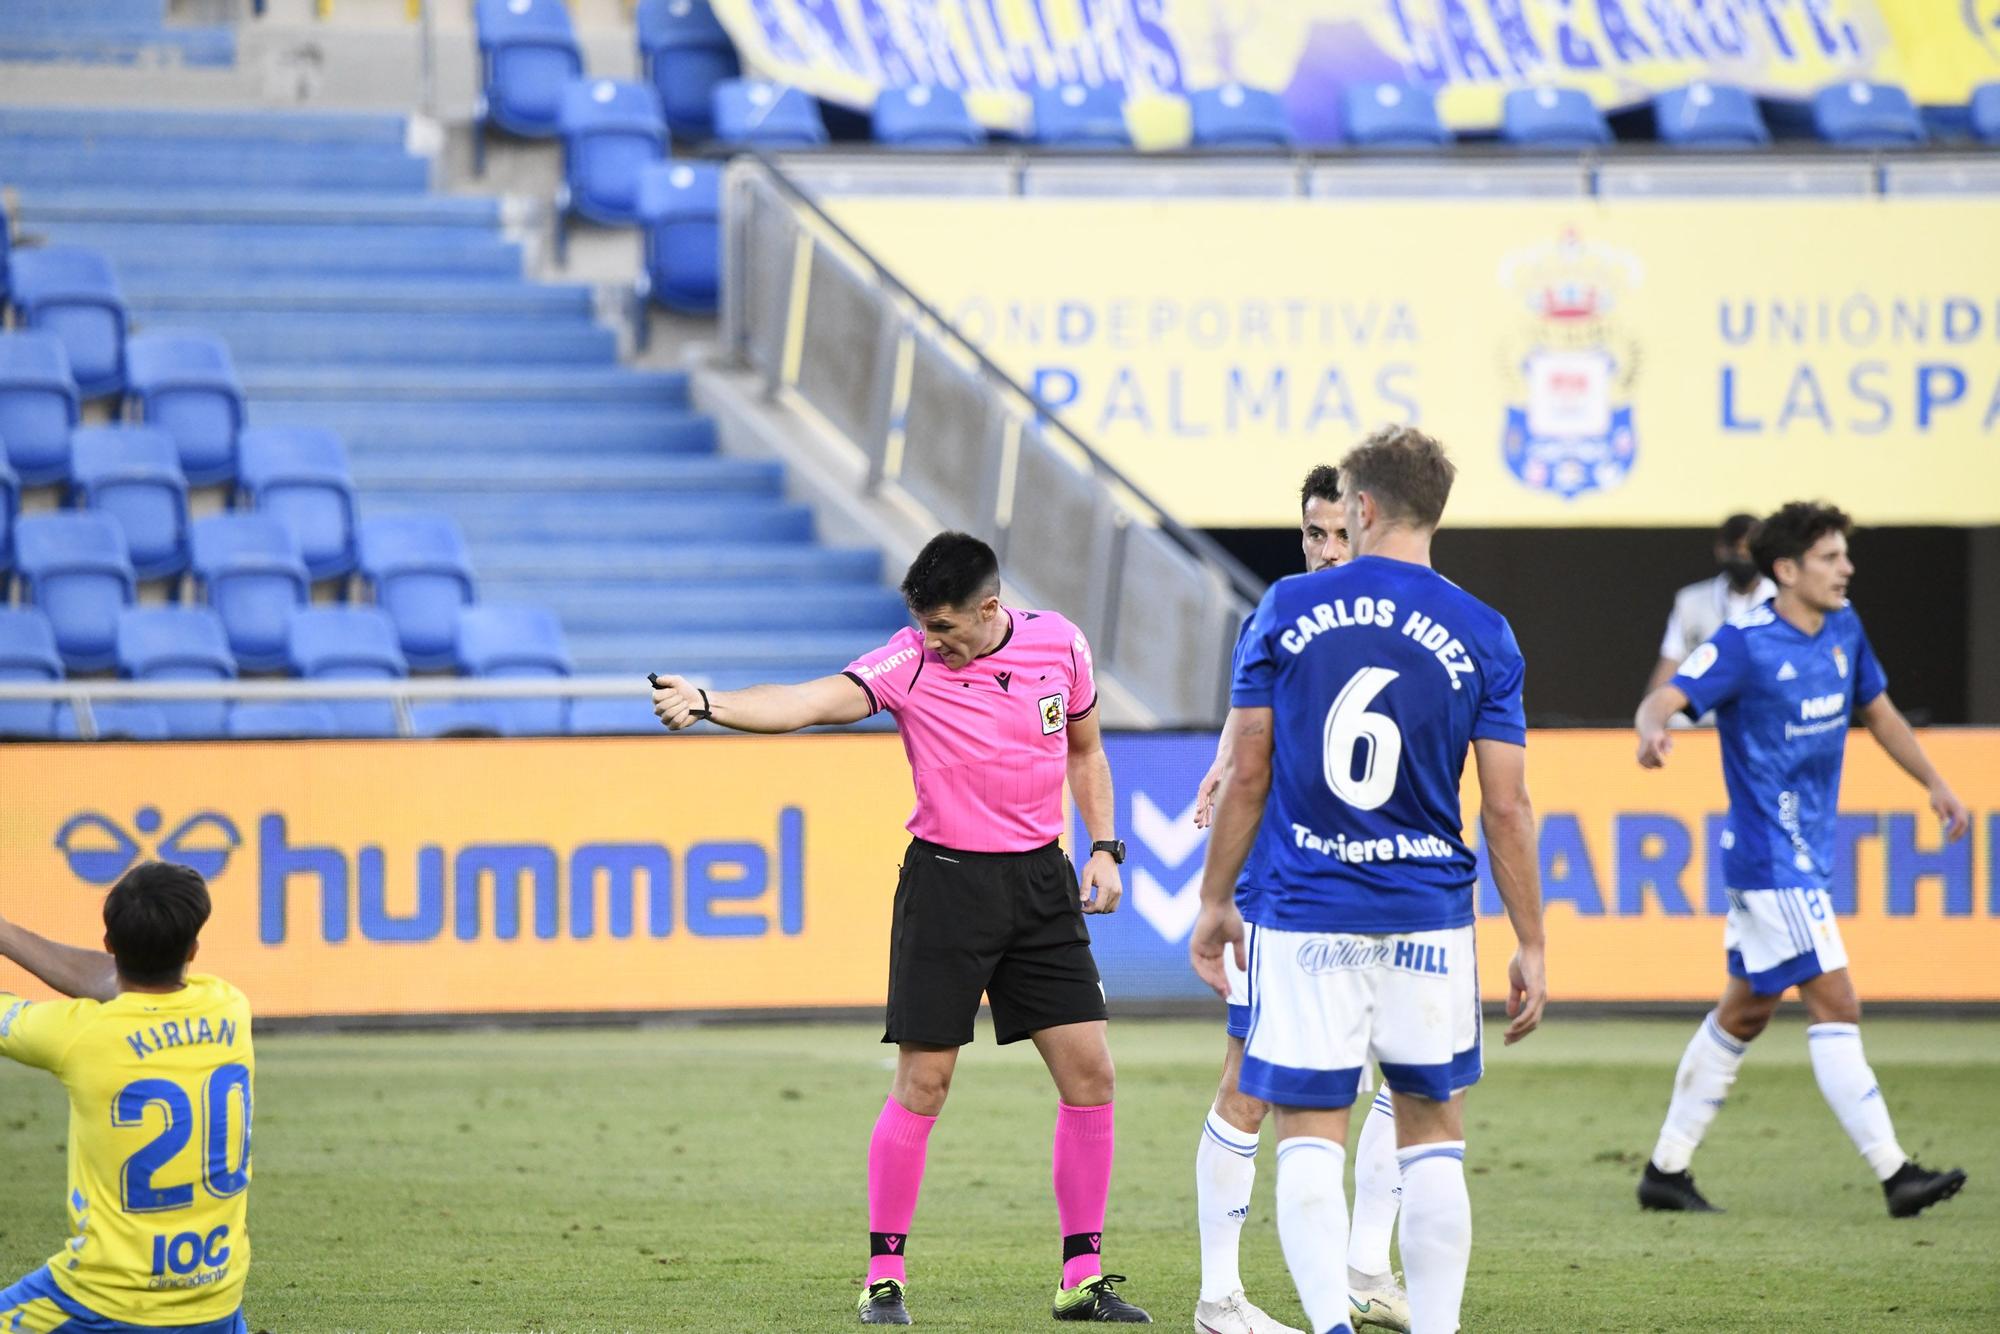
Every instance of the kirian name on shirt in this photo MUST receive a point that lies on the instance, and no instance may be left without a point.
(181, 1033)
(1445, 646)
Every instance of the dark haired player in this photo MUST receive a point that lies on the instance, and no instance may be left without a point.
(1784, 679)
(996, 706)
(158, 1066)
(1225, 1162)
(1360, 691)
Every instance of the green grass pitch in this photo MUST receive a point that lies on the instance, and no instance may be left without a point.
(711, 1179)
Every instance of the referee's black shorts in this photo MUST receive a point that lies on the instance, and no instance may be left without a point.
(1004, 923)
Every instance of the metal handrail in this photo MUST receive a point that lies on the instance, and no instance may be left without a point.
(1198, 544)
(81, 694)
(423, 687)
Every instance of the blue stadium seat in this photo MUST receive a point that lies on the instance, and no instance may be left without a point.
(75, 568)
(186, 383)
(10, 509)
(1558, 118)
(133, 473)
(118, 720)
(925, 115)
(757, 114)
(1233, 116)
(1859, 114)
(250, 571)
(686, 53)
(1079, 115)
(520, 642)
(528, 54)
(70, 292)
(1985, 111)
(1393, 116)
(6, 245)
(38, 406)
(178, 644)
(435, 718)
(299, 475)
(350, 644)
(611, 128)
(680, 204)
(28, 656)
(282, 720)
(613, 717)
(422, 577)
(1709, 115)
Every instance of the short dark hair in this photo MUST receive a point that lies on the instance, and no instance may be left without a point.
(1734, 529)
(151, 918)
(1321, 483)
(1792, 531)
(952, 570)
(1405, 470)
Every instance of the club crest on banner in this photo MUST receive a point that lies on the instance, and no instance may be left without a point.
(1573, 360)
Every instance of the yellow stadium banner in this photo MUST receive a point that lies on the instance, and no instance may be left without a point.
(1590, 362)
(1470, 52)
(522, 877)
(1631, 871)
(460, 877)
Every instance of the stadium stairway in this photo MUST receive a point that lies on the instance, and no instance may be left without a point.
(355, 298)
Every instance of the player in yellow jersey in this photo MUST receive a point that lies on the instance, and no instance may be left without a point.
(158, 1067)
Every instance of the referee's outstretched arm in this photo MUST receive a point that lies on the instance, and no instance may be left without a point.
(830, 699)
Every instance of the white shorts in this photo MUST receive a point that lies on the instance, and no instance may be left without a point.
(1778, 938)
(1239, 1003)
(1239, 985)
(1323, 1005)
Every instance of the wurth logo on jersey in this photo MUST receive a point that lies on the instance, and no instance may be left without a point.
(1822, 706)
(887, 665)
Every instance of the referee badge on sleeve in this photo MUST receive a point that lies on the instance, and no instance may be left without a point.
(1053, 716)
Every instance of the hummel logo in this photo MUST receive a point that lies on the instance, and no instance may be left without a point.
(1004, 678)
(1788, 673)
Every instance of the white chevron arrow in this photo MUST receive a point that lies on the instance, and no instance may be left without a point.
(1172, 839)
(1171, 912)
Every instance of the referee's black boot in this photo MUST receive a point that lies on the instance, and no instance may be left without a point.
(1672, 1191)
(882, 1304)
(1093, 1299)
(1914, 1189)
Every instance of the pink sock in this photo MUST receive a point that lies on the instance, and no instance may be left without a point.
(895, 1175)
(1083, 1182)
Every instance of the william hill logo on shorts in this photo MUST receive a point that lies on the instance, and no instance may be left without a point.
(719, 888)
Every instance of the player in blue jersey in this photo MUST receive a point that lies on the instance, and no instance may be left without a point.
(1225, 1163)
(1357, 694)
(1784, 680)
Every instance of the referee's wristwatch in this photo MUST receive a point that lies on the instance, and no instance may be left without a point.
(1114, 846)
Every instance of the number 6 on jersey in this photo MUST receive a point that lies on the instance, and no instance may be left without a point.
(1349, 725)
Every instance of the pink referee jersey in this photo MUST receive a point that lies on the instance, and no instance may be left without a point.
(989, 743)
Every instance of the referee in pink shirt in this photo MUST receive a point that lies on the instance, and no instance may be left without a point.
(996, 707)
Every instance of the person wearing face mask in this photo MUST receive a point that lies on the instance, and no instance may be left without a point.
(1707, 605)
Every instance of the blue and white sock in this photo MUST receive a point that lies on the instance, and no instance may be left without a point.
(1437, 1234)
(1312, 1226)
(1378, 1189)
(1225, 1170)
(1701, 1085)
(1849, 1087)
